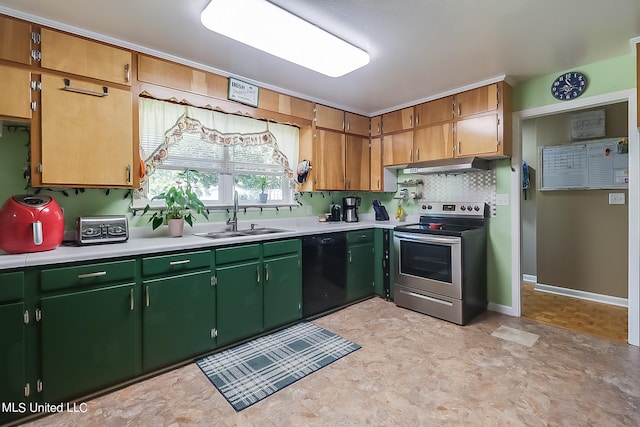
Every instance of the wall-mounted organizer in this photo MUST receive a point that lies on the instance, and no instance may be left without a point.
(410, 189)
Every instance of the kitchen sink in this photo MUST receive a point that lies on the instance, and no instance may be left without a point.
(240, 233)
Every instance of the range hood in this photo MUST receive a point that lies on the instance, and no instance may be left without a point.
(449, 166)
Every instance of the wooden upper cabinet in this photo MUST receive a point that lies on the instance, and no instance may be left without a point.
(397, 149)
(85, 139)
(437, 111)
(433, 142)
(329, 167)
(397, 120)
(356, 124)
(285, 104)
(75, 55)
(475, 101)
(329, 118)
(478, 136)
(15, 40)
(177, 76)
(15, 90)
(375, 167)
(376, 126)
(357, 163)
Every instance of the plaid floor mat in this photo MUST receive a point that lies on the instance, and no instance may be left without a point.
(252, 371)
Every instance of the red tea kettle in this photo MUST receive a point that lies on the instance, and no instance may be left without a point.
(30, 223)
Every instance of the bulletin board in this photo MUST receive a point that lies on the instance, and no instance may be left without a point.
(600, 164)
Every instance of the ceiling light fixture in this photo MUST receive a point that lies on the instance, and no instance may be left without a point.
(265, 26)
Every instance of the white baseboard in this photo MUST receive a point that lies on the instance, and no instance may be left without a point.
(589, 296)
(499, 308)
(529, 278)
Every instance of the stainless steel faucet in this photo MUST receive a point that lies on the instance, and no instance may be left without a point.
(233, 222)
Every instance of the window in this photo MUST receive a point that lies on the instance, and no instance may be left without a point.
(232, 153)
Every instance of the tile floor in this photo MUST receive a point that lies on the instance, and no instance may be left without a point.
(412, 370)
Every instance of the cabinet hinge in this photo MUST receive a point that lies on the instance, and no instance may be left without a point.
(214, 333)
(498, 121)
(39, 168)
(25, 317)
(34, 106)
(214, 280)
(39, 386)
(35, 37)
(36, 55)
(38, 315)
(36, 85)
(498, 144)
(27, 390)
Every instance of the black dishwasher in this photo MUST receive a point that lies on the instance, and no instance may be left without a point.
(324, 272)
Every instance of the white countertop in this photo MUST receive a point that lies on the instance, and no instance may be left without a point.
(143, 240)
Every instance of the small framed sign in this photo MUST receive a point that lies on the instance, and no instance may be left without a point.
(589, 124)
(243, 92)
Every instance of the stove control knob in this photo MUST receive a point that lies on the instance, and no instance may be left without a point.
(424, 207)
(429, 207)
(469, 208)
(462, 208)
(476, 208)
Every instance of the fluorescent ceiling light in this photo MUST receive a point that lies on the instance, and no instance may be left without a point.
(267, 27)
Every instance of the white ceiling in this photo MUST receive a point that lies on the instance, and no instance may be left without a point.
(420, 49)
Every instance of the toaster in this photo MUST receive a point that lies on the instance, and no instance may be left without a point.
(102, 229)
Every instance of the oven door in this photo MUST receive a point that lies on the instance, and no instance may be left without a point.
(430, 263)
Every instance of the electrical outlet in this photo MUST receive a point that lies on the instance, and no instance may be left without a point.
(616, 199)
(502, 200)
(308, 210)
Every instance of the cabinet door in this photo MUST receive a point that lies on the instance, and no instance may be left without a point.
(12, 354)
(476, 101)
(75, 55)
(397, 120)
(375, 153)
(357, 163)
(397, 149)
(477, 136)
(239, 301)
(433, 142)
(16, 93)
(356, 124)
(15, 40)
(360, 274)
(178, 318)
(330, 160)
(89, 341)
(439, 110)
(376, 126)
(329, 118)
(282, 290)
(85, 139)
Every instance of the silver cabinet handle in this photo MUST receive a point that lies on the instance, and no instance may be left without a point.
(417, 154)
(131, 300)
(184, 261)
(411, 121)
(147, 298)
(127, 73)
(458, 147)
(266, 272)
(88, 275)
(258, 273)
(69, 88)
(439, 301)
(459, 110)
(128, 173)
(349, 256)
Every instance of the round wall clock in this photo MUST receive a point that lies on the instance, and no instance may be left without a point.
(569, 86)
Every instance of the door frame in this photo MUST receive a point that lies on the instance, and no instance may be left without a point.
(629, 96)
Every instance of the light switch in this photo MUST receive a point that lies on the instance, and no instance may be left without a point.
(502, 200)
(616, 198)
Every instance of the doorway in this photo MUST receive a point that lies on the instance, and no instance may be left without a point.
(522, 131)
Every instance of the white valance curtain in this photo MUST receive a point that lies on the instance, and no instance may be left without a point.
(164, 126)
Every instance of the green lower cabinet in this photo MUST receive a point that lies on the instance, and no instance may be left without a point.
(88, 340)
(178, 318)
(360, 271)
(12, 358)
(239, 300)
(282, 290)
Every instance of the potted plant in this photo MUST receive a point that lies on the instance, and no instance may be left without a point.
(262, 197)
(182, 204)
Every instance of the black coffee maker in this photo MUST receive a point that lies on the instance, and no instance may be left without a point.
(350, 209)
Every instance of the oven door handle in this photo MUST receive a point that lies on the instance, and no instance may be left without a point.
(424, 238)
